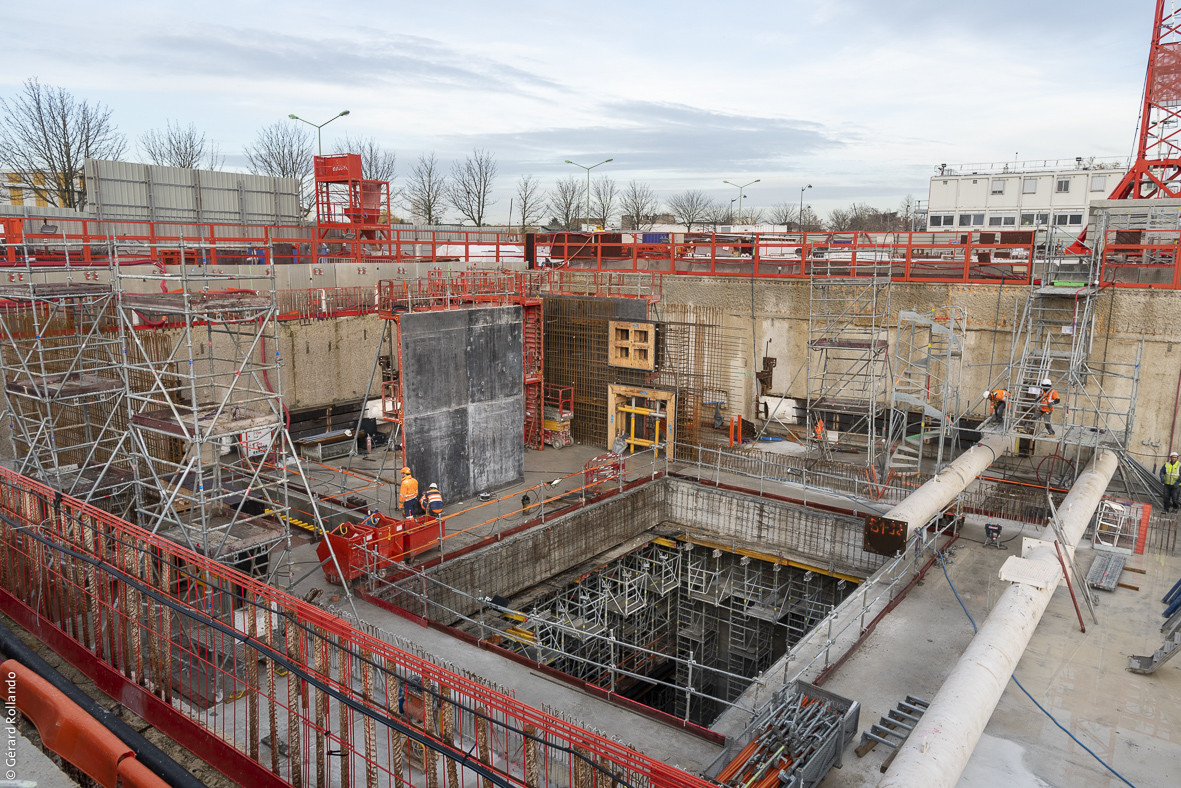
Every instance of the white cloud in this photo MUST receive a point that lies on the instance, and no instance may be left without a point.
(858, 97)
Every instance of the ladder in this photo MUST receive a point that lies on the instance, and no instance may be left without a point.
(893, 729)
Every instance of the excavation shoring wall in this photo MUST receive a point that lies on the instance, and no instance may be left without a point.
(713, 588)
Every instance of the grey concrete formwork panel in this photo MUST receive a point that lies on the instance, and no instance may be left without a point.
(463, 398)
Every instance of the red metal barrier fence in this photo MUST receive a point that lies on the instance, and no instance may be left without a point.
(270, 689)
(1131, 258)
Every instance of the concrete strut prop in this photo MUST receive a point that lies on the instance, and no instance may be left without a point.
(927, 501)
(941, 744)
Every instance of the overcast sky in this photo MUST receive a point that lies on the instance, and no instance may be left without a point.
(860, 98)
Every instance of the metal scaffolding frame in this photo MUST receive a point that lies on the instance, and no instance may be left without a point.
(64, 379)
(928, 362)
(683, 626)
(849, 306)
(208, 435)
(1056, 340)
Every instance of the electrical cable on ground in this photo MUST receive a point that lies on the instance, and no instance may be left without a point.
(1043, 709)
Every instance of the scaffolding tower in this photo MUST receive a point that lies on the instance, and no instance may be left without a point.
(208, 437)
(64, 381)
(849, 301)
(928, 362)
(1055, 341)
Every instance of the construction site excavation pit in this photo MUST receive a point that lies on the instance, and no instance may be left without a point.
(672, 594)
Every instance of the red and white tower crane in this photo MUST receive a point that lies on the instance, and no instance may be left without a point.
(1156, 171)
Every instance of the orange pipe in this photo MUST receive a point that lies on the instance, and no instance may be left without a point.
(73, 734)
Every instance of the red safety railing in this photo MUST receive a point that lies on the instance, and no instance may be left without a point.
(1131, 258)
(1141, 258)
(266, 687)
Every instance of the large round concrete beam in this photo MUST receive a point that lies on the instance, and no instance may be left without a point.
(940, 745)
(937, 494)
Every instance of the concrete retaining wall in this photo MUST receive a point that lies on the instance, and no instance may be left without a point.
(526, 559)
(825, 539)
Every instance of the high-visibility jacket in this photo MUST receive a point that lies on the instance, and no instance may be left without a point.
(432, 501)
(1045, 402)
(408, 490)
(999, 395)
(1170, 472)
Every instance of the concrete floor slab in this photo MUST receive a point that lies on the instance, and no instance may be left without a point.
(1129, 720)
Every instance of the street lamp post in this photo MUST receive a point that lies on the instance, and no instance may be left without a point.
(588, 169)
(740, 188)
(802, 190)
(318, 126)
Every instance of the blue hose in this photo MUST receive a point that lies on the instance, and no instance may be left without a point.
(1044, 710)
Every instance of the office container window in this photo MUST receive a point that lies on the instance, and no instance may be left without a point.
(1098, 183)
(1063, 186)
(1029, 186)
(998, 186)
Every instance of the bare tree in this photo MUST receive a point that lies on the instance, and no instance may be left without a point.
(566, 199)
(284, 150)
(911, 214)
(809, 221)
(864, 217)
(689, 208)
(639, 205)
(426, 189)
(377, 163)
(840, 219)
(531, 201)
(717, 213)
(752, 216)
(46, 135)
(181, 146)
(470, 188)
(604, 196)
(785, 214)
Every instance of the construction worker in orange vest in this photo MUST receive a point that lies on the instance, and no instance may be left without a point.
(999, 399)
(818, 428)
(1046, 402)
(408, 494)
(432, 501)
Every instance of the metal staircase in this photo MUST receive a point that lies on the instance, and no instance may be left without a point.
(1150, 663)
(893, 729)
(928, 361)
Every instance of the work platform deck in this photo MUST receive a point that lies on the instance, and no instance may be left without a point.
(54, 290)
(179, 303)
(211, 422)
(64, 386)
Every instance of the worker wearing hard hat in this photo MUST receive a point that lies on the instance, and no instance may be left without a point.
(408, 494)
(432, 501)
(1046, 402)
(999, 399)
(1170, 475)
